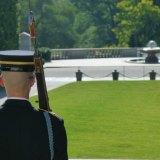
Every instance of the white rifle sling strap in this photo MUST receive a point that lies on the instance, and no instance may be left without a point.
(50, 134)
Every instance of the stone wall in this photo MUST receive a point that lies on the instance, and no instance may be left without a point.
(80, 53)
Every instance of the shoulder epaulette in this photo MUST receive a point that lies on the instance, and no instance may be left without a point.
(54, 114)
(42, 110)
(51, 113)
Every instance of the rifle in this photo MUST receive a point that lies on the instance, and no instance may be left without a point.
(39, 71)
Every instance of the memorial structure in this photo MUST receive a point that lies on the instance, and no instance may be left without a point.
(151, 50)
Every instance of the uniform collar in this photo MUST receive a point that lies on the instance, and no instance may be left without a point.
(17, 98)
(14, 103)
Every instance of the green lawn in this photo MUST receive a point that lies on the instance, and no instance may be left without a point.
(110, 119)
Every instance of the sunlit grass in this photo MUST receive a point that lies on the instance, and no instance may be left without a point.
(110, 119)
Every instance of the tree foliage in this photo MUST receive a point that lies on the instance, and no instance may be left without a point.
(137, 22)
(56, 25)
(82, 23)
(94, 22)
(8, 24)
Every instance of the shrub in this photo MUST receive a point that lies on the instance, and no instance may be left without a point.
(46, 54)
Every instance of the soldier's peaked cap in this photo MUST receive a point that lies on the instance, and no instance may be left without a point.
(17, 61)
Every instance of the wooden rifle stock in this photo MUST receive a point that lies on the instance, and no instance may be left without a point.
(39, 71)
(41, 84)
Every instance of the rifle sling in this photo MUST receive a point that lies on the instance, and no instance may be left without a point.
(50, 133)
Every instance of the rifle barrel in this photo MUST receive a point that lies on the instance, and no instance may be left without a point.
(39, 71)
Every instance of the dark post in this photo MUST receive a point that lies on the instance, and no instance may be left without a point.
(152, 75)
(115, 75)
(79, 75)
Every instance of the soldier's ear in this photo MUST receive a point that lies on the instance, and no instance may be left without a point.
(1, 82)
(32, 81)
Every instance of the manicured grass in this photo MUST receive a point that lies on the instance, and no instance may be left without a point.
(110, 119)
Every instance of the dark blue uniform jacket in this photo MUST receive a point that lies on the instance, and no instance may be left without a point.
(24, 136)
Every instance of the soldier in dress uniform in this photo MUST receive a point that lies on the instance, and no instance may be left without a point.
(24, 133)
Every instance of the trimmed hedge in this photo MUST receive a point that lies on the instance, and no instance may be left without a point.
(46, 54)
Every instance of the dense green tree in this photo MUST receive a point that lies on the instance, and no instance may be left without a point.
(56, 25)
(156, 2)
(137, 23)
(54, 19)
(23, 14)
(8, 24)
(94, 22)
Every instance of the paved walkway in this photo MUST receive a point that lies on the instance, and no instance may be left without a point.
(51, 83)
(96, 62)
(78, 63)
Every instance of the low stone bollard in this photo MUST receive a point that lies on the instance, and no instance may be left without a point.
(152, 75)
(79, 75)
(115, 75)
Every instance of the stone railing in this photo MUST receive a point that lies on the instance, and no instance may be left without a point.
(79, 53)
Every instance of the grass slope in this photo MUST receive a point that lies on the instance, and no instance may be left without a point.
(110, 119)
